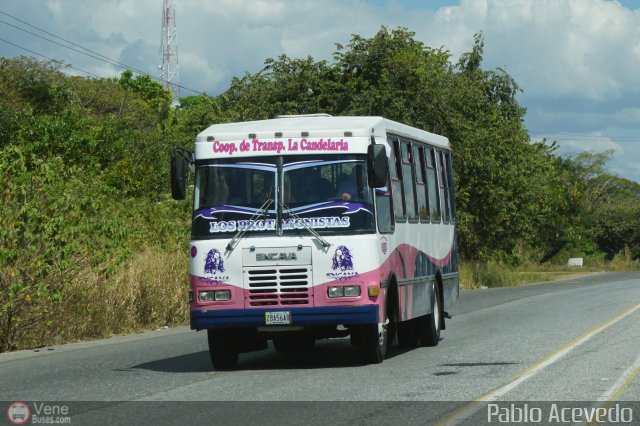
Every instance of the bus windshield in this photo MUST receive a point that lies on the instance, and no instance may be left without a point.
(329, 194)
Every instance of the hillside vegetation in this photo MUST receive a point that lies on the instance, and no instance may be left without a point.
(91, 243)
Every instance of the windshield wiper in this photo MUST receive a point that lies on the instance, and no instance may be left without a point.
(312, 231)
(262, 210)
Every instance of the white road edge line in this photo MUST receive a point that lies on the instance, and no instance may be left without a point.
(623, 382)
(474, 406)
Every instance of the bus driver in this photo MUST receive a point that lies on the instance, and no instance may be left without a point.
(351, 187)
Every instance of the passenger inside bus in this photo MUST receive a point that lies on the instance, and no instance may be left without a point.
(352, 187)
(309, 186)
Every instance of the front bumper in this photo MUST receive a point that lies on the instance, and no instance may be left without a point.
(332, 315)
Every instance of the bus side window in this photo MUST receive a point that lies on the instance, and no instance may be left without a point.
(384, 210)
(451, 188)
(408, 181)
(432, 184)
(396, 182)
(444, 187)
(421, 187)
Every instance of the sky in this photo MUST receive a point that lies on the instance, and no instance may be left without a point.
(576, 61)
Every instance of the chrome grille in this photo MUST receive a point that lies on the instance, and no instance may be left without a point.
(279, 285)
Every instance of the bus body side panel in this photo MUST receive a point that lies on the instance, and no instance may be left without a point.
(451, 277)
(451, 284)
(427, 250)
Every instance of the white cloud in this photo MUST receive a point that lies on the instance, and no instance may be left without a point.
(576, 60)
(554, 47)
(548, 119)
(584, 48)
(627, 165)
(628, 116)
(593, 142)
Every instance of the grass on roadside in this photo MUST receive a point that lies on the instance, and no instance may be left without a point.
(148, 292)
(475, 274)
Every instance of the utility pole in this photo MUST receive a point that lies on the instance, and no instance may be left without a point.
(169, 47)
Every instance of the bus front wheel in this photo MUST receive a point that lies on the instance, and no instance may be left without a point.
(373, 342)
(222, 350)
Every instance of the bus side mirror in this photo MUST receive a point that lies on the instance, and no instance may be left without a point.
(178, 177)
(377, 165)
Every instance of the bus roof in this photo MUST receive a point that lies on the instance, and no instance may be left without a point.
(316, 125)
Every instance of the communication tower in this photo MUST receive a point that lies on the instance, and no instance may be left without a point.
(169, 47)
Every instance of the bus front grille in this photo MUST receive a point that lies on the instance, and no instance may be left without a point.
(279, 285)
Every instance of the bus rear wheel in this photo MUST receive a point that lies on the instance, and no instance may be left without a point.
(408, 334)
(429, 326)
(222, 350)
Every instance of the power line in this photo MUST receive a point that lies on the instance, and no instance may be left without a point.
(63, 39)
(91, 54)
(100, 57)
(51, 59)
(562, 136)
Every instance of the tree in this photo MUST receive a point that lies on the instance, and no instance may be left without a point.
(500, 176)
(151, 91)
(83, 172)
(611, 203)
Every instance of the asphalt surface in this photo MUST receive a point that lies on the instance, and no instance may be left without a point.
(575, 341)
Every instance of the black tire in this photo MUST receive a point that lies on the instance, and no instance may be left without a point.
(222, 350)
(392, 315)
(429, 326)
(407, 334)
(392, 333)
(373, 343)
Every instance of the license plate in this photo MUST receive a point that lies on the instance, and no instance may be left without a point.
(277, 318)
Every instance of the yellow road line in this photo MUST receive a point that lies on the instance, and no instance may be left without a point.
(474, 406)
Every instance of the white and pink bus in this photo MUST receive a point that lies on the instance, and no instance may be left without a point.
(311, 227)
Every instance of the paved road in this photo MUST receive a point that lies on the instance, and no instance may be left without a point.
(572, 340)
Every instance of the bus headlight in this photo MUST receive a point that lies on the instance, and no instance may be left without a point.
(335, 291)
(214, 295)
(344, 291)
(206, 296)
(352, 291)
(223, 295)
